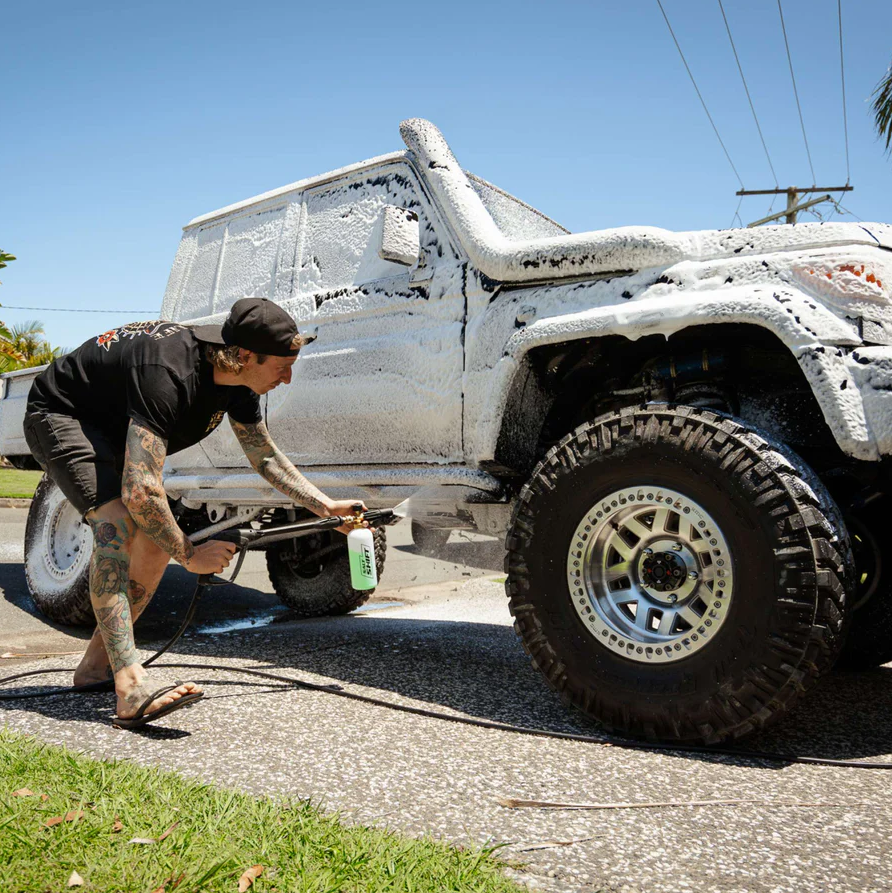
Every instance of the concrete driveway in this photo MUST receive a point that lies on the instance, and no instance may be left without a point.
(448, 646)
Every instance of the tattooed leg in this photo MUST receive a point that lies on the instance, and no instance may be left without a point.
(117, 547)
(147, 566)
(113, 532)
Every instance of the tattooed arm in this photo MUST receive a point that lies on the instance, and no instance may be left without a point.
(272, 464)
(143, 492)
(143, 495)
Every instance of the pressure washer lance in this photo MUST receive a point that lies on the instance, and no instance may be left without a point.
(360, 542)
(245, 539)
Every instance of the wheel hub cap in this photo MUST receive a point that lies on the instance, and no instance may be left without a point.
(650, 574)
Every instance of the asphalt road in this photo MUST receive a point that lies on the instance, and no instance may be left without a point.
(448, 646)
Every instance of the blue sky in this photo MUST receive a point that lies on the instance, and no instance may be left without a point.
(121, 122)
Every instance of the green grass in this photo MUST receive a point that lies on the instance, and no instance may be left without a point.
(220, 834)
(18, 483)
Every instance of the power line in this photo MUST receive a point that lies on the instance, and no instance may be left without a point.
(737, 213)
(700, 95)
(72, 310)
(842, 73)
(752, 107)
(847, 211)
(795, 91)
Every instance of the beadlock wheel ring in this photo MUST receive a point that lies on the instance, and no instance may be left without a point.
(650, 574)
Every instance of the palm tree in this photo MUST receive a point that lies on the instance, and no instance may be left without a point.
(34, 349)
(10, 358)
(882, 107)
(9, 355)
(5, 258)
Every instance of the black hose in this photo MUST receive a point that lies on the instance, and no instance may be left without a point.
(543, 733)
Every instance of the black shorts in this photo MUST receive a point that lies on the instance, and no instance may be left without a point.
(79, 458)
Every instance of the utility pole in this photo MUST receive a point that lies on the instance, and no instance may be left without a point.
(793, 206)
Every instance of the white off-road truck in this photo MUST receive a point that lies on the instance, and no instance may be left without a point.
(683, 436)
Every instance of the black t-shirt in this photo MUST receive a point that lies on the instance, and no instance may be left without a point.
(152, 372)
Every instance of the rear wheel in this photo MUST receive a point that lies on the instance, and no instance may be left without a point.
(429, 539)
(58, 545)
(673, 574)
(311, 575)
(869, 641)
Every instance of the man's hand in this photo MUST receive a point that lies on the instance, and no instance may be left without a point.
(210, 557)
(344, 507)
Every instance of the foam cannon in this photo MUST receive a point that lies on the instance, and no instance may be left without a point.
(360, 541)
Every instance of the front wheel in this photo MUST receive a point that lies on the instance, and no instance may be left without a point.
(58, 545)
(673, 574)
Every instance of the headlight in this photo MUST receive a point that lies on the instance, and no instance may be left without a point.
(859, 286)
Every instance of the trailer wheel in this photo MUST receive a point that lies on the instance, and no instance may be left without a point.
(58, 545)
(673, 574)
(311, 575)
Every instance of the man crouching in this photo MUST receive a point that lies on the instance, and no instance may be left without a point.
(100, 422)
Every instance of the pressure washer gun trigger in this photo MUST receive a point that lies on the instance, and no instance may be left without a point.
(214, 580)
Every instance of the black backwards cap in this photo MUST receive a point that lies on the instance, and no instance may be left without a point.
(258, 325)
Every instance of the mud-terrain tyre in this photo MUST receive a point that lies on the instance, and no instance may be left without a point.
(311, 575)
(869, 640)
(429, 539)
(641, 640)
(834, 614)
(58, 545)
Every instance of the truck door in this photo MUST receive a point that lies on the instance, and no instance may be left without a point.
(383, 381)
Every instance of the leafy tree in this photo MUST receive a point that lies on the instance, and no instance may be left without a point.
(882, 108)
(28, 341)
(10, 358)
(21, 346)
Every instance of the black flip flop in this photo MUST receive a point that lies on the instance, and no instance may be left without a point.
(141, 718)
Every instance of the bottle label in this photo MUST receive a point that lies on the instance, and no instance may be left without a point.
(362, 566)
